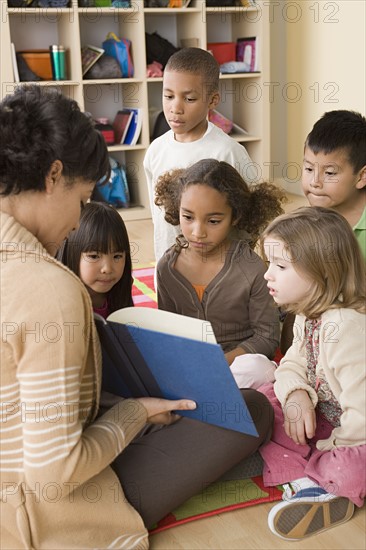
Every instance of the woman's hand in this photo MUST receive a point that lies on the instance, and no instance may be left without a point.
(159, 411)
(299, 414)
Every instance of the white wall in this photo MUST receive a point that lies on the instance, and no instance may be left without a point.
(319, 60)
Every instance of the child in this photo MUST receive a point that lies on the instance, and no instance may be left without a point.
(211, 272)
(334, 170)
(316, 271)
(190, 90)
(99, 253)
(334, 176)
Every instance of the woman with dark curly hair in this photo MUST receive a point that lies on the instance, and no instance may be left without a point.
(212, 272)
(58, 489)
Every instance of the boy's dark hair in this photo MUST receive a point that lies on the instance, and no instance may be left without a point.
(196, 61)
(101, 229)
(340, 130)
(40, 125)
(252, 208)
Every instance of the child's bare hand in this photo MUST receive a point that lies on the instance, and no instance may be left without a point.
(299, 414)
(159, 411)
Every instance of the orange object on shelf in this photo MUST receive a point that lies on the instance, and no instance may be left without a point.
(39, 61)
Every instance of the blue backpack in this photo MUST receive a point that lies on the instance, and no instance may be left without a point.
(115, 191)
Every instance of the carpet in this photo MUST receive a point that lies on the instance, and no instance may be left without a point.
(239, 488)
(143, 291)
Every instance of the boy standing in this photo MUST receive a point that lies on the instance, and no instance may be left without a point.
(334, 169)
(190, 90)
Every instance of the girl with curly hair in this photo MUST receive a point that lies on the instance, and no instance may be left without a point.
(212, 272)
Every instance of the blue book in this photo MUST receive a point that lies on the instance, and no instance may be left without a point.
(149, 352)
(134, 128)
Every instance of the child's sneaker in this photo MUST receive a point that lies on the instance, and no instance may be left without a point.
(308, 512)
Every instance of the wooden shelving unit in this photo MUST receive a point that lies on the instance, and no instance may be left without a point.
(242, 95)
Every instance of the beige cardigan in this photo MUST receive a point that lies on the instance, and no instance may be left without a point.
(57, 488)
(342, 347)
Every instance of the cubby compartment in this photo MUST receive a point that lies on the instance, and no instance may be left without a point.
(37, 29)
(180, 27)
(242, 94)
(132, 160)
(95, 24)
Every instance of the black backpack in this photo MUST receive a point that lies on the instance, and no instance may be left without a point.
(160, 127)
(158, 48)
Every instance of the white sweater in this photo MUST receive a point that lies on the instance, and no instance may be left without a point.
(165, 153)
(57, 488)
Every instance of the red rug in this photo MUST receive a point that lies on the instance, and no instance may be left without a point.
(239, 488)
(143, 291)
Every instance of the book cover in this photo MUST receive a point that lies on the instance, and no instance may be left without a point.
(237, 131)
(14, 63)
(162, 354)
(247, 52)
(134, 129)
(89, 55)
(121, 124)
(220, 120)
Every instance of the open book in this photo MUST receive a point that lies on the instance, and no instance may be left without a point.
(150, 352)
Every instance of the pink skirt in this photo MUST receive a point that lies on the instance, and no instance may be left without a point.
(340, 471)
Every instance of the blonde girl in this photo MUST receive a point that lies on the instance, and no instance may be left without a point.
(316, 271)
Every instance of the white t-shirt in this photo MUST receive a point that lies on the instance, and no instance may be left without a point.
(165, 153)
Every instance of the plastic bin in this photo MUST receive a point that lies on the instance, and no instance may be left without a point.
(39, 61)
(223, 51)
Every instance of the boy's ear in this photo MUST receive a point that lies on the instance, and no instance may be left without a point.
(361, 183)
(215, 100)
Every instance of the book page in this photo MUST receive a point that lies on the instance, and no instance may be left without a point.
(165, 322)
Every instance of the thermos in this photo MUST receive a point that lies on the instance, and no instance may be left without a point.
(58, 62)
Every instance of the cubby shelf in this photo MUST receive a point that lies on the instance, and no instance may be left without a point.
(243, 97)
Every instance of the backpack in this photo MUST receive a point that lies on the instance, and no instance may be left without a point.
(115, 191)
(119, 48)
(160, 127)
(158, 48)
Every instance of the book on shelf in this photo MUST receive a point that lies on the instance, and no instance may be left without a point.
(226, 124)
(247, 52)
(248, 3)
(14, 63)
(121, 124)
(90, 55)
(238, 130)
(134, 128)
(150, 352)
(178, 3)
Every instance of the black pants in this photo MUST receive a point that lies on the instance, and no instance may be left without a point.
(165, 465)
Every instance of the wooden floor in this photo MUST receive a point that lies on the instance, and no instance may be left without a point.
(246, 528)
